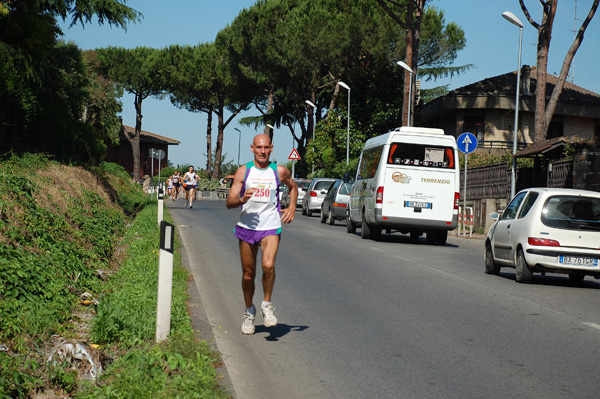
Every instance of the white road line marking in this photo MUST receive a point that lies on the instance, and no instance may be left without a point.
(593, 325)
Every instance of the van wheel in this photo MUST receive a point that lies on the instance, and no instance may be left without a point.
(322, 216)
(441, 237)
(350, 226)
(430, 238)
(375, 233)
(522, 270)
(365, 230)
(330, 219)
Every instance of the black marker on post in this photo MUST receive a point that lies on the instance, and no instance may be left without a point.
(161, 196)
(165, 281)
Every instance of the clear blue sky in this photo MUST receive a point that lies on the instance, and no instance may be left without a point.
(492, 46)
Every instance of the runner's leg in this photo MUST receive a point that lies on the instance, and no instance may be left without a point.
(248, 256)
(269, 246)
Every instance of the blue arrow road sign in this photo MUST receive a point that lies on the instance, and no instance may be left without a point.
(467, 143)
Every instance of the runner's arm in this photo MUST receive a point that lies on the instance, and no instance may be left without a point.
(233, 199)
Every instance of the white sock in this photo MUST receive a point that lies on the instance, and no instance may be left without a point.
(251, 310)
(265, 303)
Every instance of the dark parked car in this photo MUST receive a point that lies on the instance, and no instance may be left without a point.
(335, 203)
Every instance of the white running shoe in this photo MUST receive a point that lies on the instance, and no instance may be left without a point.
(267, 313)
(248, 323)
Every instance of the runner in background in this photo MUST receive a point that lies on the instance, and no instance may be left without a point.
(189, 184)
(170, 186)
(176, 184)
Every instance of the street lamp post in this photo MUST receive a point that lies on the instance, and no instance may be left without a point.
(291, 118)
(510, 17)
(239, 140)
(345, 86)
(314, 107)
(403, 65)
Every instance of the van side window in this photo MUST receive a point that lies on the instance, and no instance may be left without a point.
(431, 156)
(369, 163)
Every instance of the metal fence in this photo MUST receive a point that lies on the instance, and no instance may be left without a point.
(492, 181)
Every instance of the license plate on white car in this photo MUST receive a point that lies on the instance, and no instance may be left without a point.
(418, 204)
(577, 260)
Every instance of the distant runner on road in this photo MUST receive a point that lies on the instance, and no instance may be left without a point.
(255, 189)
(190, 182)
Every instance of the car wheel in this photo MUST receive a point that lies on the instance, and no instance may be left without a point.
(330, 219)
(322, 216)
(491, 267)
(308, 213)
(576, 278)
(350, 226)
(303, 210)
(523, 272)
(365, 230)
(414, 236)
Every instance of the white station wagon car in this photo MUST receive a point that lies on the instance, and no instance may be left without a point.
(550, 230)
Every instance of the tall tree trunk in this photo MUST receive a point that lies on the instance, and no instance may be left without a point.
(544, 112)
(412, 27)
(219, 148)
(268, 131)
(209, 158)
(135, 141)
(410, 57)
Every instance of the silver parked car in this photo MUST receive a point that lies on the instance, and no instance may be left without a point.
(302, 187)
(319, 186)
(335, 203)
(284, 196)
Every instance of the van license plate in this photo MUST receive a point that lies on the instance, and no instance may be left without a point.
(577, 260)
(418, 204)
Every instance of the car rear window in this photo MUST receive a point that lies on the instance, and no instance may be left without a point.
(430, 156)
(303, 184)
(345, 189)
(572, 212)
(322, 185)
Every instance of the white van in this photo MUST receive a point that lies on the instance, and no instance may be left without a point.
(408, 181)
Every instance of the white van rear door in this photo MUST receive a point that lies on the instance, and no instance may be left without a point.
(412, 192)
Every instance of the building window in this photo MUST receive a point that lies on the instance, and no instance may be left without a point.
(556, 129)
(475, 124)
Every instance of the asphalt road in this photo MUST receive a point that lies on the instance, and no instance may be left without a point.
(391, 319)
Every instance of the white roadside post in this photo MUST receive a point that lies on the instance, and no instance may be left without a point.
(161, 195)
(165, 281)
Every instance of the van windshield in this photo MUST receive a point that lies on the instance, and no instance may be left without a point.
(430, 156)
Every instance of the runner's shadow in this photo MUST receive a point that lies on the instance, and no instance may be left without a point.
(278, 331)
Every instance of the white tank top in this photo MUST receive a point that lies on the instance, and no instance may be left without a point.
(261, 212)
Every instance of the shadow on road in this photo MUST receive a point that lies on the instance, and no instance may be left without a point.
(279, 331)
(554, 280)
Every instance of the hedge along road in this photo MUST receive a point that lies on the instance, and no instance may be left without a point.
(390, 319)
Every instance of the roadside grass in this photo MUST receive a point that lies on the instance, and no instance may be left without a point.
(182, 366)
(63, 229)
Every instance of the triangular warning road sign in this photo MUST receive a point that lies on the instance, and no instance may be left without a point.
(294, 155)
